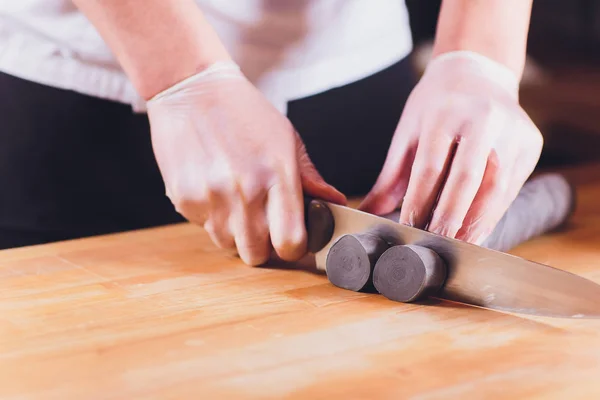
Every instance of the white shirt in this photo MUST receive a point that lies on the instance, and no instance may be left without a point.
(288, 48)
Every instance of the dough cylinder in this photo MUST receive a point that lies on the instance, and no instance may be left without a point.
(407, 273)
(351, 259)
(544, 203)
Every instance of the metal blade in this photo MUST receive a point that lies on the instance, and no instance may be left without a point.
(480, 276)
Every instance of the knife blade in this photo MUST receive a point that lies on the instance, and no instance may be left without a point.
(477, 276)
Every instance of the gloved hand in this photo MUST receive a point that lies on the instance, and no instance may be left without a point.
(462, 119)
(233, 164)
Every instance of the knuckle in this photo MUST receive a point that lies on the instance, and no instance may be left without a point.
(252, 240)
(219, 235)
(253, 187)
(287, 245)
(253, 258)
(431, 171)
(499, 182)
(188, 198)
(532, 136)
(221, 184)
(292, 245)
(189, 206)
(538, 141)
(409, 214)
(448, 230)
(259, 260)
(447, 222)
(468, 176)
(254, 253)
(247, 187)
(487, 106)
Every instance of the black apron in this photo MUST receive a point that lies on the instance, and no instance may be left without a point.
(73, 166)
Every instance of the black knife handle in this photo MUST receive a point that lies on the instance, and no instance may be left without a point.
(319, 223)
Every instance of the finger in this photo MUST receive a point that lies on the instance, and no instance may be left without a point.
(391, 185)
(285, 215)
(432, 159)
(484, 208)
(312, 182)
(506, 172)
(500, 186)
(251, 234)
(461, 186)
(220, 234)
(392, 182)
(314, 185)
(190, 199)
(217, 225)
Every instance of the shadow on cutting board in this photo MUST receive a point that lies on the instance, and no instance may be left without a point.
(306, 264)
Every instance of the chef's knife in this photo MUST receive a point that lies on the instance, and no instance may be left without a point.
(476, 275)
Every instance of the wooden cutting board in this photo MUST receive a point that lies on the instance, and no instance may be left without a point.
(162, 313)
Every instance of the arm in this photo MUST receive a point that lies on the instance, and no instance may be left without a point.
(230, 161)
(494, 28)
(172, 31)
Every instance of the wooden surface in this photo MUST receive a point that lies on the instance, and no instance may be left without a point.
(163, 314)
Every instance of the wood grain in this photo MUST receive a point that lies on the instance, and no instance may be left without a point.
(162, 314)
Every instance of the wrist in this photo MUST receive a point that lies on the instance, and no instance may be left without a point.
(512, 62)
(496, 29)
(476, 65)
(159, 44)
(161, 76)
(226, 69)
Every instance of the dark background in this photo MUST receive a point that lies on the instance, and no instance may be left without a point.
(564, 42)
(558, 27)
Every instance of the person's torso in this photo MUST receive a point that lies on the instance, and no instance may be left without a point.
(288, 48)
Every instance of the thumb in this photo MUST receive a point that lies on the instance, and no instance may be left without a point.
(313, 183)
(391, 185)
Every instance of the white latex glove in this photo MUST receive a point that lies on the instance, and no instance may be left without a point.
(467, 103)
(235, 165)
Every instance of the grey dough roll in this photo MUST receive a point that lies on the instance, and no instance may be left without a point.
(351, 259)
(407, 273)
(544, 203)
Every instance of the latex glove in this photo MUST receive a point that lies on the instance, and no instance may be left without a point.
(234, 164)
(463, 120)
